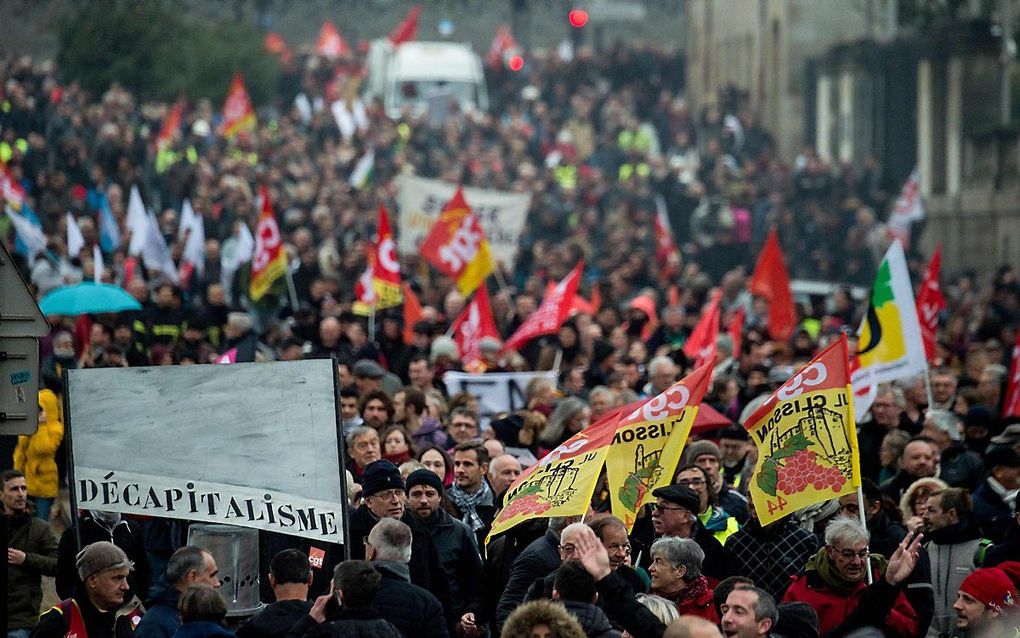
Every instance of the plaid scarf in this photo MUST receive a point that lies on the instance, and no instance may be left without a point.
(467, 503)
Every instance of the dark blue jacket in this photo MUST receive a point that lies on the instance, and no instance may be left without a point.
(160, 619)
(414, 611)
(202, 629)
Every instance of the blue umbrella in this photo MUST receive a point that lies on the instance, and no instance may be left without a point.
(87, 298)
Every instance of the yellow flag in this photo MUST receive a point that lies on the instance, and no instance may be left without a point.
(648, 442)
(806, 439)
(562, 483)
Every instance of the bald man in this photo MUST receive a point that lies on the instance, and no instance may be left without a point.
(503, 470)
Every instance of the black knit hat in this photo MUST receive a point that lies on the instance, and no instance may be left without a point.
(378, 476)
(424, 477)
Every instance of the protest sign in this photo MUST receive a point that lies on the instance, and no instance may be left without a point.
(497, 392)
(253, 445)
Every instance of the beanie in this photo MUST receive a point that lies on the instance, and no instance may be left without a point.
(698, 448)
(425, 477)
(99, 557)
(797, 620)
(991, 586)
(378, 476)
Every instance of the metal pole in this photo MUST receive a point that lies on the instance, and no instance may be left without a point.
(4, 540)
(341, 450)
(71, 494)
(1006, 19)
(864, 524)
(292, 290)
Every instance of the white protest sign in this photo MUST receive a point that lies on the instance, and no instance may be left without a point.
(253, 445)
(497, 392)
(501, 214)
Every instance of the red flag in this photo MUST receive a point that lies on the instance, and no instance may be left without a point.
(700, 347)
(553, 312)
(579, 305)
(736, 330)
(596, 298)
(771, 281)
(171, 127)
(10, 189)
(275, 44)
(1011, 406)
(474, 323)
(364, 291)
(930, 303)
(238, 112)
(666, 252)
(379, 285)
(269, 262)
(501, 44)
(228, 357)
(331, 44)
(408, 29)
(412, 312)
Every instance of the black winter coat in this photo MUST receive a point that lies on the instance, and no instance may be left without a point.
(413, 610)
(276, 620)
(127, 535)
(346, 623)
(536, 561)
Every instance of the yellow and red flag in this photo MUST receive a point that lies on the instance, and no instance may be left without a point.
(806, 439)
(379, 286)
(457, 247)
(238, 112)
(474, 324)
(269, 261)
(171, 128)
(562, 483)
(648, 442)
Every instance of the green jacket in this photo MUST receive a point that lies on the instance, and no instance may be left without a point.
(24, 585)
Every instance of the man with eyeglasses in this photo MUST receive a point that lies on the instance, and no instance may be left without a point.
(835, 583)
(674, 513)
(383, 496)
(715, 519)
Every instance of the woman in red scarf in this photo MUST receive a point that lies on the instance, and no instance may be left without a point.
(676, 576)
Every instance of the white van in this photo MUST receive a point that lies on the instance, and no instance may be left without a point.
(425, 76)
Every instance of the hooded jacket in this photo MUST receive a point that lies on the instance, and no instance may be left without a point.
(161, 619)
(414, 611)
(541, 612)
(951, 551)
(840, 612)
(125, 534)
(35, 455)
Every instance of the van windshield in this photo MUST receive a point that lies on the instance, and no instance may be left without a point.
(417, 93)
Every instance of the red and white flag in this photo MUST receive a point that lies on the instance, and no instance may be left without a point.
(700, 346)
(379, 285)
(474, 324)
(238, 111)
(930, 303)
(228, 357)
(552, 313)
(1011, 406)
(666, 252)
(269, 261)
(331, 44)
(907, 210)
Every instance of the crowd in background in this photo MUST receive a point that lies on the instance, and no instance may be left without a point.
(601, 144)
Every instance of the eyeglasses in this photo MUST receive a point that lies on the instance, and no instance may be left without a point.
(388, 495)
(656, 507)
(691, 482)
(849, 554)
(568, 549)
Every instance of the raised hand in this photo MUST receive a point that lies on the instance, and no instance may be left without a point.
(903, 560)
(592, 554)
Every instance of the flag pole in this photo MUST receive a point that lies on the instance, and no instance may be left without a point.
(864, 524)
(500, 280)
(927, 389)
(371, 325)
(558, 360)
(291, 289)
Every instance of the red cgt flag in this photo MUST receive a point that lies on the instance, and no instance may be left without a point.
(408, 29)
(700, 347)
(736, 330)
(171, 127)
(331, 44)
(238, 112)
(474, 324)
(930, 303)
(553, 312)
(1011, 406)
(456, 245)
(771, 281)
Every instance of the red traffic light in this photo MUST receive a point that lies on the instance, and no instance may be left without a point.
(578, 18)
(516, 63)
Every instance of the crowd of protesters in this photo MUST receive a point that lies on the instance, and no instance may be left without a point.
(601, 143)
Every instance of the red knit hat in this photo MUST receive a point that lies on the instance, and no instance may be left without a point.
(991, 586)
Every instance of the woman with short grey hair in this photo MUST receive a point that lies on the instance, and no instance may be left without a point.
(676, 576)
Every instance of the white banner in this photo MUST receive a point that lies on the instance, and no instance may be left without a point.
(250, 444)
(133, 493)
(501, 214)
(496, 392)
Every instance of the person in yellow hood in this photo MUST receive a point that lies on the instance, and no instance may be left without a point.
(35, 455)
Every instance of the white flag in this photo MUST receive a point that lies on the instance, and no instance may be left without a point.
(98, 266)
(344, 119)
(193, 227)
(156, 253)
(137, 222)
(33, 236)
(908, 208)
(75, 240)
(362, 170)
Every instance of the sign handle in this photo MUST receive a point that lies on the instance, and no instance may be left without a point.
(71, 493)
(341, 444)
(864, 524)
